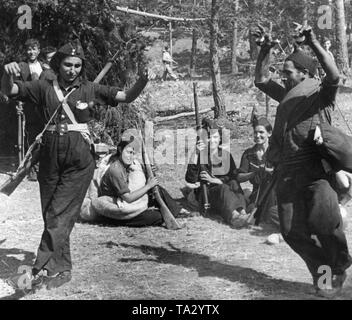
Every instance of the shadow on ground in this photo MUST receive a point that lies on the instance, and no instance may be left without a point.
(271, 288)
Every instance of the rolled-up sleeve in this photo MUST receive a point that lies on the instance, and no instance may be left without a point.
(118, 182)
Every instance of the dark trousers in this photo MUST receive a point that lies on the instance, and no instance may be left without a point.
(65, 171)
(308, 205)
(225, 198)
(151, 216)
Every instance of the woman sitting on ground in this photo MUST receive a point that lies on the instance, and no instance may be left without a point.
(124, 192)
(255, 169)
(224, 192)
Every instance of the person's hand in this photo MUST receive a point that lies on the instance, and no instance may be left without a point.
(3, 98)
(12, 69)
(152, 182)
(264, 39)
(154, 168)
(253, 167)
(200, 146)
(304, 34)
(268, 170)
(205, 176)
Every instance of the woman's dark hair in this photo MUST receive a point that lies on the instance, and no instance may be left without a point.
(119, 149)
(262, 122)
(212, 126)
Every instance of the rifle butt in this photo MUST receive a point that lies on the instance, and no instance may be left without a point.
(10, 185)
(169, 219)
(103, 72)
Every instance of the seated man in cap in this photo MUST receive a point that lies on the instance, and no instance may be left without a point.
(307, 203)
(66, 162)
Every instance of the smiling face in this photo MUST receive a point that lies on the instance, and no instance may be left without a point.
(70, 68)
(291, 76)
(32, 53)
(127, 155)
(261, 135)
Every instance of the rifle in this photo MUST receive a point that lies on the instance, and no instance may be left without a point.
(32, 154)
(168, 217)
(20, 133)
(203, 184)
(261, 198)
(106, 68)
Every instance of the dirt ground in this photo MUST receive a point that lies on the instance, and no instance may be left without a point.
(204, 260)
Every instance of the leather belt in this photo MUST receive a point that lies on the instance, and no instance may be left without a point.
(62, 128)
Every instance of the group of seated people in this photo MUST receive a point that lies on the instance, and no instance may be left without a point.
(226, 197)
(120, 190)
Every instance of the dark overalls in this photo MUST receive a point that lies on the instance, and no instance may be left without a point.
(66, 167)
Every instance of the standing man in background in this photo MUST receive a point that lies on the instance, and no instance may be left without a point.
(31, 69)
(167, 60)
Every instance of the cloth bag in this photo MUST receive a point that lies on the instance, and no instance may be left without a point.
(334, 145)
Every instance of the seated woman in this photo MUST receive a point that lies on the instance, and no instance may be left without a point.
(224, 193)
(254, 168)
(123, 193)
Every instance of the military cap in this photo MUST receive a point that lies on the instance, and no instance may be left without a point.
(73, 49)
(302, 60)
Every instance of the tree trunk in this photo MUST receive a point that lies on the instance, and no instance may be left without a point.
(234, 66)
(305, 12)
(341, 38)
(219, 105)
(192, 66)
(253, 48)
(170, 40)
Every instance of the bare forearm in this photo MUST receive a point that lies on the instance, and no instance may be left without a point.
(262, 66)
(326, 61)
(135, 195)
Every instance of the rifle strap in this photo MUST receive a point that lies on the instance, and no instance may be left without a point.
(40, 135)
(63, 100)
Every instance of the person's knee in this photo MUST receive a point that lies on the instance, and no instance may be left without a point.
(104, 205)
(87, 212)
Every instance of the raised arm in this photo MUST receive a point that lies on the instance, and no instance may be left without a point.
(327, 62)
(132, 93)
(8, 87)
(262, 75)
(266, 44)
